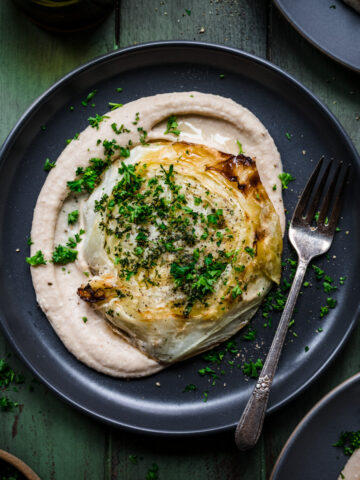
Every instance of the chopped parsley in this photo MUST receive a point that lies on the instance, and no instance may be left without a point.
(137, 118)
(190, 388)
(75, 137)
(324, 311)
(8, 376)
(327, 284)
(119, 89)
(241, 151)
(285, 178)
(89, 98)
(143, 135)
(153, 473)
(120, 129)
(133, 459)
(222, 76)
(250, 251)
(236, 291)
(331, 302)
(73, 217)
(188, 12)
(37, 259)
(288, 136)
(63, 255)
(95, 121)
(7, 404)
(84, 319)
(197, 281)
(252, 369)
(319, 272)
(73, 241)
(29, 241)
(115, 106)
(349, 442)
(249, 335)
(213, 356)
(208, 371)
(48, 165)
(90, 177)
(172, 126)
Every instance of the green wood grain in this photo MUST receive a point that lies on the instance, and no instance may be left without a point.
(32, 59)
(55, 440)
(213, 457)
(241, 24)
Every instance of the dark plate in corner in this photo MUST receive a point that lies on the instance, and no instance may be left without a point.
(284, 106)
(309, 452)
(330, 25)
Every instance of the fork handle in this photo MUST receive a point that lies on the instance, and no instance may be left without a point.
(250, 425)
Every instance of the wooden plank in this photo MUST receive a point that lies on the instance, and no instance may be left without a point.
(212, 457)
(238, 23)
(338, 88)
(32, 59)
(56, 440)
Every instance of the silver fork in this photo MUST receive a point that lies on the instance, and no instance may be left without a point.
(309, 242)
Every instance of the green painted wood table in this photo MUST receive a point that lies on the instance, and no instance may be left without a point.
(54, 439)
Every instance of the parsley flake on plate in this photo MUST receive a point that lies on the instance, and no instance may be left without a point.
(285, 178)
(89, 98)
(48, 165)
(190, 388)
(252, 369)
(37, 259)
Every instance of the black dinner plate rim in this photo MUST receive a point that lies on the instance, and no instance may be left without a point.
(297, 26)
(97, 61)
(322, 403)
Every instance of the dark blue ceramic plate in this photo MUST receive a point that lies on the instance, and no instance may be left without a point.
(296, 120)
(330, 25)
(309, 454)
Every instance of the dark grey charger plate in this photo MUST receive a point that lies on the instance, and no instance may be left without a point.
(309, 452)
(334, 31)
(284, 106)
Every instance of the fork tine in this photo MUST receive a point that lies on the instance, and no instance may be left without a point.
(338, 201)
(326, 202)
(300, 207)
(318, 193)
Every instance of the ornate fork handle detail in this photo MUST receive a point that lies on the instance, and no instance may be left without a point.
(309, 242)
(262, 387)
(250, 425)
